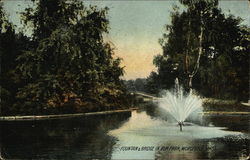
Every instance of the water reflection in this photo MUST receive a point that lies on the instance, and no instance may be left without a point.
(144, 134)
(76, 138)
(195, 142)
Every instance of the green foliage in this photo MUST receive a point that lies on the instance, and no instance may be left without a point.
(224, 48)
(136, 85)
(11, 46)
(150, 85)
(67, 66)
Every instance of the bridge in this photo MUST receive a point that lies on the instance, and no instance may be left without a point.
(144, 95)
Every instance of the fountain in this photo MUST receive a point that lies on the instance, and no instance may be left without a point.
(178, 105)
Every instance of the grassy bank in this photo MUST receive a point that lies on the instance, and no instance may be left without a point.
(72, 106)
(224, 105)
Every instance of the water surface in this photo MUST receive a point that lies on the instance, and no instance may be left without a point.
(143, 134)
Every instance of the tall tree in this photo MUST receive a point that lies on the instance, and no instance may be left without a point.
(69, 58)
(200, 41)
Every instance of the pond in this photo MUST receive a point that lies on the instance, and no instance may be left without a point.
(141, 134)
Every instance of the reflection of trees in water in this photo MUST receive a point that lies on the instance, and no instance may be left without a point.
(218, 148)
(230, 147)
(154, 111)
(181, 150)
(76, 138)
(232, 122)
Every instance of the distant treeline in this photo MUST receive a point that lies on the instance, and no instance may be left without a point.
(64, 66)
(207, 50)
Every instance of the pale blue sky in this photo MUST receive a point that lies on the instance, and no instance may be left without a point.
(136, 26)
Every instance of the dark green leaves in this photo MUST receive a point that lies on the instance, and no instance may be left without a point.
(68, 61)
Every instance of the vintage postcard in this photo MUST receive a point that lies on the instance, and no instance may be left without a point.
(124, 79)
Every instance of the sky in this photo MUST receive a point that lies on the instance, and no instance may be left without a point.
(136, 27)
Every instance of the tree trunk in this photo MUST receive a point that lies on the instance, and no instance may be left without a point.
(197, 65)
(186, 58)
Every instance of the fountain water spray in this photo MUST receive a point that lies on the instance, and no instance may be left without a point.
(180, 106)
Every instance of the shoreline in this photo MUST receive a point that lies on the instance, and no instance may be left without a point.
(224, 113)
(60, 116)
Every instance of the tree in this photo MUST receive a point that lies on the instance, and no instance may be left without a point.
(150, 85)
(69, 62)
(11, 46)
(202, 41)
